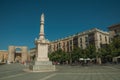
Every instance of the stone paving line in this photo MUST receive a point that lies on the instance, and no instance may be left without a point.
(111, 67)
(67, 74)
(87, 73)
(11, 76)
(88, 76)
(49, 76)
(7, 71)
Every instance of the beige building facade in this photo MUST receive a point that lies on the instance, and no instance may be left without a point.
(94, 36)
(114, 30)
(3, 55)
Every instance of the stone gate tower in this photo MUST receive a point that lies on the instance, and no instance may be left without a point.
(12, 51)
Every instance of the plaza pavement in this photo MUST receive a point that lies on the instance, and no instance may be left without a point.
(104, 72)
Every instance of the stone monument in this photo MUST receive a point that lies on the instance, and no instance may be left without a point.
(42, 63)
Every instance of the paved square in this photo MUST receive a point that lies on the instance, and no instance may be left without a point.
(15, 72)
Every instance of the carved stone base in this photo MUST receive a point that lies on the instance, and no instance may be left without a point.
(42, 66)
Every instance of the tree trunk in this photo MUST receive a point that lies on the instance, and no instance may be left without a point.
(114, 60)
(99, 60)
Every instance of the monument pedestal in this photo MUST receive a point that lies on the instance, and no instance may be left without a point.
(42, 63)
(42, 66)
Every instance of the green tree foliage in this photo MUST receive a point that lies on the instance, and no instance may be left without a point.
(110, 50)
(116, 44)
(91, 51)
(76, 54)
(59, 56)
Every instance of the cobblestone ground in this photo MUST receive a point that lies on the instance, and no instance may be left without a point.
(104, 72)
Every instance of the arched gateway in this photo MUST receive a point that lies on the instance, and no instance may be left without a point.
(17, 54)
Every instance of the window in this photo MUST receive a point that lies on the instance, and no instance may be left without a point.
(86, 39)
(86, 44)
(80, 40)
(100, 38)
(70, 48)
(115, 31)
(70, 42)
(81, 46)
(105, 38)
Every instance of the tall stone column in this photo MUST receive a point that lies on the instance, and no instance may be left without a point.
(41, 34)
(42, 43)
(42, 63)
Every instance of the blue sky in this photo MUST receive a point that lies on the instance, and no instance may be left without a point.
(20, 19)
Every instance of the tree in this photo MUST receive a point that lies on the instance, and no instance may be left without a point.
(105, 53)
(116, 44)
(59, 56)
(76, 54)
(108, 52)
(91, 51)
